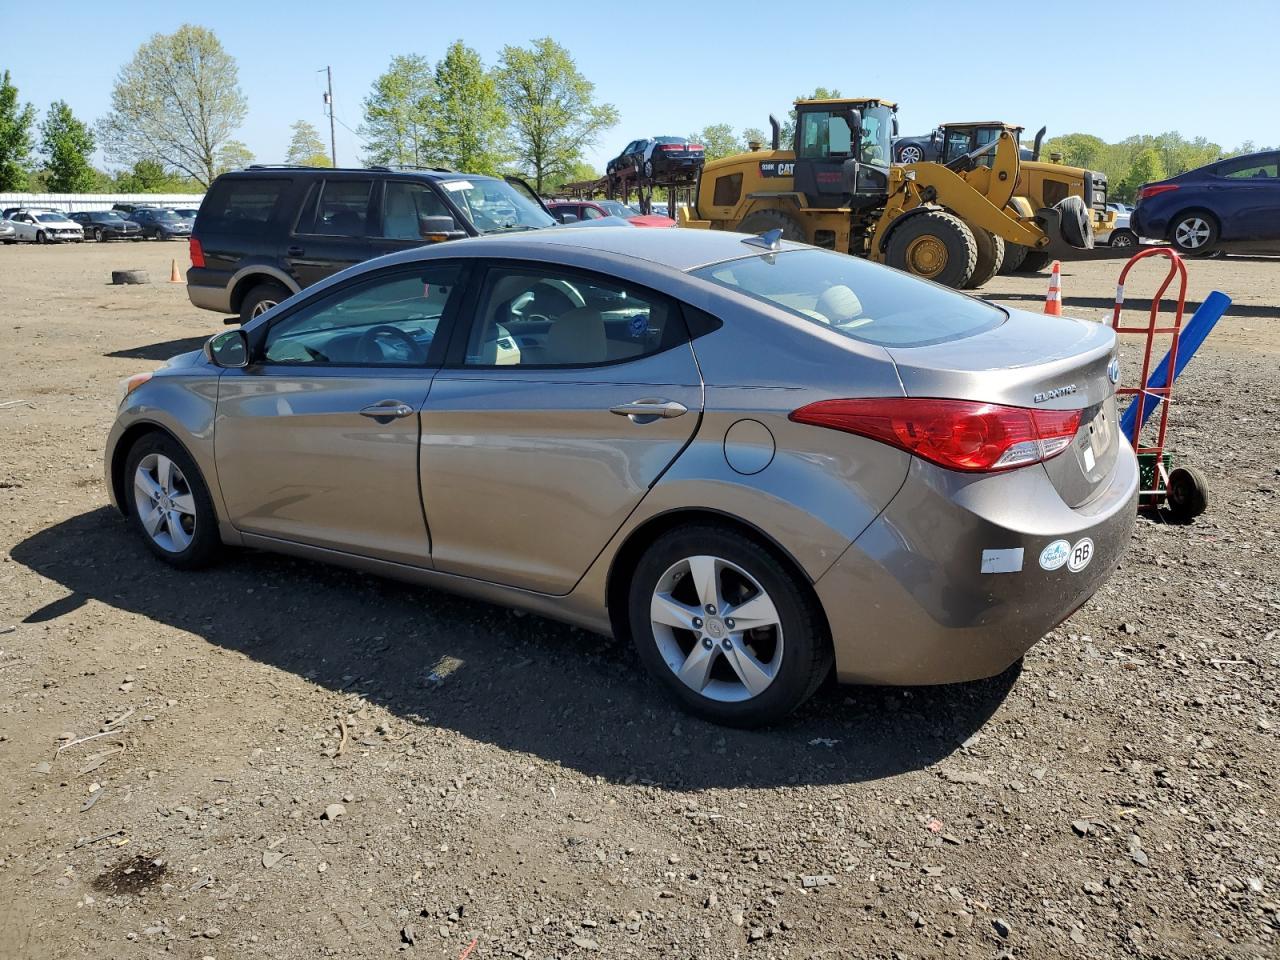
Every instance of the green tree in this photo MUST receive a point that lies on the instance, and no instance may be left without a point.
(306, 149)
(789, 126)
(554, 114)
(718, 140)
(755, 135)
(67, 144)
(397, 113)
(580, 172)
(468, 119)
(15, 137)
(1147, 166)
(233, 155)
(151, 176)
(1077, 149)
(178, 101)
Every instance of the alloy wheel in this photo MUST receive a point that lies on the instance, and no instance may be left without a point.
(164, 501)
(1192, 233)
(910, 155)
(716, 628)
(261, 307)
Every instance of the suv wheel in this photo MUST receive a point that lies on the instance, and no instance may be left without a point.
(727, 628)
(260, 299)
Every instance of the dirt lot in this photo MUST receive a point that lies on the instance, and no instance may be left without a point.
(536, 797)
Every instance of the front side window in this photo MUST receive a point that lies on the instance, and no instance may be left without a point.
(405, 207)
(530, 317)
(860, 300)
(386, 321)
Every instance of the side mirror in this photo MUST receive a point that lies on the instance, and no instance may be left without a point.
(437, 229)
(568, 218)
(229, 349)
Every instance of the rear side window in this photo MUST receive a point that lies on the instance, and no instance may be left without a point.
(239, 203)
(861, 300)
(342, 211)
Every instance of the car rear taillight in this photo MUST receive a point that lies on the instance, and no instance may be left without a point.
(1155, 189)
(696, 146)
(197, 252)
(957, 434)
(668, 147)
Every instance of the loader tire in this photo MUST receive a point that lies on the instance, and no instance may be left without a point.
(1077, 222)
(762, 221)
(1035, 261)
(990, 256)
(935, 245)
(1014, 254)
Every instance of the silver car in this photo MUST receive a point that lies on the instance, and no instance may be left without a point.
(755, 458)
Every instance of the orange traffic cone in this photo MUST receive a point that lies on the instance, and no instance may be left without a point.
(174, 276)
(1053, 299)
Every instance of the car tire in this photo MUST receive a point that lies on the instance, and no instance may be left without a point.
(1123, 237)
(176, 519)
(910, 153)
(97, 234)
(935, 245)
(1035, 261)
(1077, 222)
(648, 169)
(1194, 233)
(40, 237)
(1188, 493)
(990, 256)
(260, 299)
(762, 221)
(1014, 255)
(665, 585)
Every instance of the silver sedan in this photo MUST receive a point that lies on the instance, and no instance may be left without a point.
(756, 459)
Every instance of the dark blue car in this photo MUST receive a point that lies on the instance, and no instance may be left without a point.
(1229, 203)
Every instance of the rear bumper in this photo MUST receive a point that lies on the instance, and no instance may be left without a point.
(908, 602)
(208, 297)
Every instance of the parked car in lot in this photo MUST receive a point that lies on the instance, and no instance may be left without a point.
(1224, 205)
(823, 460)
(161, 223)
(106, 225)
(1119, 235)
(265, 233)
(45, 226)
(571, 211)
(8, 232)
(187, 213)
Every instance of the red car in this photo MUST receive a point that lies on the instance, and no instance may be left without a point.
(598, 209)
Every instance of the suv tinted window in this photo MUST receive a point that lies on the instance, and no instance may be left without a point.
(240, 203)
(389, 320)
(861, 300)
(543, 318)
(342, 210)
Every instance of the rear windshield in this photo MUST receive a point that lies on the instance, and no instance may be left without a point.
(859, 299)
(240, 203)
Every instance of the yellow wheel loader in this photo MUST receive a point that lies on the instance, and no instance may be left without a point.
(1040, 183)
(837, 188)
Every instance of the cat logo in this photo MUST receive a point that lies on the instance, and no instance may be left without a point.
(777, 168)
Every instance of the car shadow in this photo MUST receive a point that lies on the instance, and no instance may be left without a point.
(518, 681)
(160, 351)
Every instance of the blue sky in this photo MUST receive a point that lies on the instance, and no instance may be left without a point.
(1112, 69)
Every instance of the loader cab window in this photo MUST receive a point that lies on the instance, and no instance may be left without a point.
(818, 138)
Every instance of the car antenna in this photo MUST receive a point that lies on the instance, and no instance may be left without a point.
(770, 239)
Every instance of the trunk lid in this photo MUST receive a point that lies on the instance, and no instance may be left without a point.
(1038, 362)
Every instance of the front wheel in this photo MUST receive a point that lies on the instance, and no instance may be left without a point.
(936, 245)
(1035, 261)
(1123, 238)
(40, 237)
(97, 234)
(731, 631)
(990, 256)
(169, 502)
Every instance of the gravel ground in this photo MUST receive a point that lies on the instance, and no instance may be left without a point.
(290, 760)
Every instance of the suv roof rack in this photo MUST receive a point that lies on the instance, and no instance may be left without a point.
(379, 168)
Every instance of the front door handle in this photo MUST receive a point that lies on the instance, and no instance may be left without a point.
(649, 410)
(384, 411)
(295, 251)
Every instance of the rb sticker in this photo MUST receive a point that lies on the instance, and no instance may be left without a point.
(1081, 554)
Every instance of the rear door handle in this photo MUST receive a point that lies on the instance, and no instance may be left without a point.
(384, 411)
(650, 409)
(295, 251)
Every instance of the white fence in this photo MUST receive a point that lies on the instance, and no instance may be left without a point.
(71, 202)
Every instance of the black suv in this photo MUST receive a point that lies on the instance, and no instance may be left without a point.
(264, 233)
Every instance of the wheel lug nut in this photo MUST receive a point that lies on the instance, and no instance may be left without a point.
(711, 608)
(729, 624)
(697, 622)
(707, 642)
(727, 643)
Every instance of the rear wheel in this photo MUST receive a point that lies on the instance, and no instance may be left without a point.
(260, 299)
(1014, 254)
(990, 256)
(97, 234)
(1035, 261)
(910, 154)
(936, 245)
(731, 631)
(762, 221)
(1123, 238)
(169, 502)
(1194, 233)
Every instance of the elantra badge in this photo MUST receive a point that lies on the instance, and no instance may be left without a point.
(1055, 393)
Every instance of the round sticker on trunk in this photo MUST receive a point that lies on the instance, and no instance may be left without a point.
(1055, 555)
(1081, 554)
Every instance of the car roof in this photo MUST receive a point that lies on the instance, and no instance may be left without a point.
(432, 173)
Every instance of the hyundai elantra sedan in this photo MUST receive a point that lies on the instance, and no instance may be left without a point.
(755, 458)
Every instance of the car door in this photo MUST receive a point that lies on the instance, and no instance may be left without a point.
(316, 440)
(568, 396)
(334, 229)
(1246, 195)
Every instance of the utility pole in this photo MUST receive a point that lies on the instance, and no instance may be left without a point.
(328, 100)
